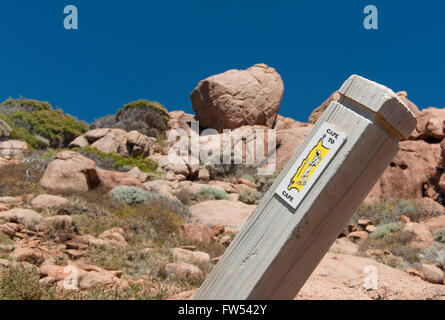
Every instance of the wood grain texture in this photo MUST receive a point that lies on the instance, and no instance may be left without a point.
(278, 248)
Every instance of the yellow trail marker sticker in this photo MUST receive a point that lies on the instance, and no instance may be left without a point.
(311, 164)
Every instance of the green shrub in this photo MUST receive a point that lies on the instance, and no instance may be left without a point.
(230, 171)
(435, 253)
(23, 178)
(265, 182)
(212, 194)
(172, 205)
(248, 176)
(185, 196)
(386, 229)
(249, 196)
(145, 104)
(33, 120)
(395, 241)
(390, 211)
(114, 161)
(147, 117)
(5, 129)
(135, 195)
(20, 282)
(130, 195)
(439, 236)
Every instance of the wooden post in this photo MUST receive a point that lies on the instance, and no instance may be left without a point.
(314, 197)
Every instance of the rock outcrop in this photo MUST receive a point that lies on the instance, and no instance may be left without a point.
(118, 141)
(238, 97)
(12, 148)
(70, 172)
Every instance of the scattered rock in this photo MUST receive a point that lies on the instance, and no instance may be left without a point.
(231, 214)
(112, 179)
(363, 222)
(216, 259)
(247, 182)
(79, 142)
(340, 277)
(9, 229)
(47, 281)
(138, 174)
(55, 223)
(422, 238)
(186, 295)
(430, 206)
(196, 232)
(160, 186)
(435, 223)
(225, 241)
(12, 148)
(190, 256)
(109, 140)
(32, 256)
(92, 279)
(316, 114)
(70, 172)
(404, 219)
(360, 235)
(218, 229)
(26, 217)
(431, 274)
(413, 272)
(138, 144)
(344, 246)
(53, 271)
(414, 166)
(370, 228)
(287, 142)
(45, 201)
(9, 200)
(182, 270)
(114, 237)
(75, 254)
(203, 174)
(5, 263)
(430, 124)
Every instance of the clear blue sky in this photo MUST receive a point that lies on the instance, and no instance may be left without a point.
(159, 50)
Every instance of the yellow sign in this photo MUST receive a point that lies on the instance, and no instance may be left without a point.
(308, 166)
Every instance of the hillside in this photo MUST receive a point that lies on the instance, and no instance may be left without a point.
(127, 208)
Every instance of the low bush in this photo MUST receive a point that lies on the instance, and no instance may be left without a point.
(435, 253)
(134, 195)
(114, 161)
(439, 236)
(386, 229)
(23, 178)
(130, 195)
(212, 194)
(390, 211)
(20, 282)
(397, 243)
(186, 196)
(249, 196)
(147, 117)
(38, 123)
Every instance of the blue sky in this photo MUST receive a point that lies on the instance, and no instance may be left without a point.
(159, 50)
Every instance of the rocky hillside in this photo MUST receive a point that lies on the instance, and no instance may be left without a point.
(102, 211)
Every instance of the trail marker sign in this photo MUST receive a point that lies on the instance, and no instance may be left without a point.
(310, 165)
(314, 197)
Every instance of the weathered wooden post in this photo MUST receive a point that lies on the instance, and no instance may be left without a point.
(314, 197)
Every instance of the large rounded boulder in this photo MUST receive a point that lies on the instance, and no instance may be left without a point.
(237, 98)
